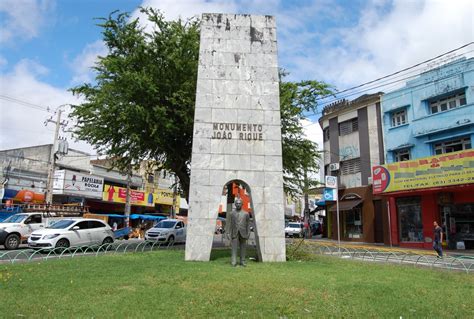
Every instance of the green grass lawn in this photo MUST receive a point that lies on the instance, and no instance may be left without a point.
(162, 284)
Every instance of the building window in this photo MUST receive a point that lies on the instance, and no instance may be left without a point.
(351, 166)
(399, 118)
(448, 103)
(326, 134)
(353, 223)
(347, 127)
(452, 146)
(409, 219)
(402, 155)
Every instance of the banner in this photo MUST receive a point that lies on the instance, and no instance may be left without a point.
(119, 195)
(441, 170)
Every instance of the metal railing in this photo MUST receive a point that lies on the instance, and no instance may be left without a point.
(25, 255)
(382, 255)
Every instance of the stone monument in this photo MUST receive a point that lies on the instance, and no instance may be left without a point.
(237, 133)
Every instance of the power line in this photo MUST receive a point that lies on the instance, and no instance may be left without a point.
(398, 72)
(25, 103)
(415, 88)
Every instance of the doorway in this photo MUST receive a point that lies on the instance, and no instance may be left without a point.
(378, 222)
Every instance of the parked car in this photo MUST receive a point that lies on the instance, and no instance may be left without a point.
(72, 232)
(294, 229)
(168, 230)
(17, 228)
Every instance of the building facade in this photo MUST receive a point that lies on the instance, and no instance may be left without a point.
(80, 179)
(428, 130)
(353, 143)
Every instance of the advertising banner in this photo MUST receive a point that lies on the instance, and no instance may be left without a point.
(73, 183)
(441, 170)
(119, 195)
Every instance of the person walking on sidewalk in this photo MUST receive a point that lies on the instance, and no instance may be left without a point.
(438, 239)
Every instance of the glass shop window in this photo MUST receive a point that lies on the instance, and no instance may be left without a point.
(409, 219)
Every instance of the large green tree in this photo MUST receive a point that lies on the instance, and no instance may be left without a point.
(141, 105)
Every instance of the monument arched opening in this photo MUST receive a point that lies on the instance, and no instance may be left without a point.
(239, 189)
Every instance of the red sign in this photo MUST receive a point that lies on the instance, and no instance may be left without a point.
(134, 195)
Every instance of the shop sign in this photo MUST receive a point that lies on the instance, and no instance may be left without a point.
(330, 194)
(331, 181)
(74, 183)
(23, 196)
(436, 171)
(165, 197)
(117, 194)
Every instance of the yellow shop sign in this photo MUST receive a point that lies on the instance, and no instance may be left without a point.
(436, 171)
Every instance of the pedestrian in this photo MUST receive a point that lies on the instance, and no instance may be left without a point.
(438, 239)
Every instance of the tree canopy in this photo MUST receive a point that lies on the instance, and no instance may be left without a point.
(141, 105)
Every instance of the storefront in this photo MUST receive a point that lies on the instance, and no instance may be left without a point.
(362, 217)
(114, 197)
(438, 188)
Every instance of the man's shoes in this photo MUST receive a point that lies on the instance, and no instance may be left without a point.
(234, 265)
(243, 264)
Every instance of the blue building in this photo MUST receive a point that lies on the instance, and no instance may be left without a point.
(433, 114)
(430, 116)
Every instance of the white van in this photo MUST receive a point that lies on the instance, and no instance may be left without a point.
(17, 228)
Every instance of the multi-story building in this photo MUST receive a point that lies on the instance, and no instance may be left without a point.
(80, 179)
(428, 130)
(352, 145)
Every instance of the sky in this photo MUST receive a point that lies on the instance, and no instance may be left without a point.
(49, 46)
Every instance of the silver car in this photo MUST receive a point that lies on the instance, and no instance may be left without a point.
(168, 230)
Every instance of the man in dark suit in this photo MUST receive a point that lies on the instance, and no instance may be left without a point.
(237, 229)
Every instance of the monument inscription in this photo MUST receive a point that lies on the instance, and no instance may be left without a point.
(237, 132)
(244, 132)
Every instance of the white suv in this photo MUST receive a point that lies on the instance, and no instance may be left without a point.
(168, 230)
(72, 232)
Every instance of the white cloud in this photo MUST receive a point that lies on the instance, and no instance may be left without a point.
(83, 63)
(174, 9)
(24, 18)
(23, 125)
(388, 36)
(313, 132)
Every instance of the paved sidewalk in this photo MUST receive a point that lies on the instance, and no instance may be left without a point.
(370, 246)
(382, 254)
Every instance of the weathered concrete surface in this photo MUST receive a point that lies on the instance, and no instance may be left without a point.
(237, 134)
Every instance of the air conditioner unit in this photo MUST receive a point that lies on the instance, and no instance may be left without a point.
(334, 167)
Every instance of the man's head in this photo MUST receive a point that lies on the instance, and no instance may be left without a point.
(435, 223)
(238, 203)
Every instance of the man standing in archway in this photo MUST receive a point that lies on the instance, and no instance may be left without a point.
(238, 231)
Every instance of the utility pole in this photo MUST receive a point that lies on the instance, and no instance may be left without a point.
(52, 158)
(306, 207)
(127, 197)
(173, 210)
